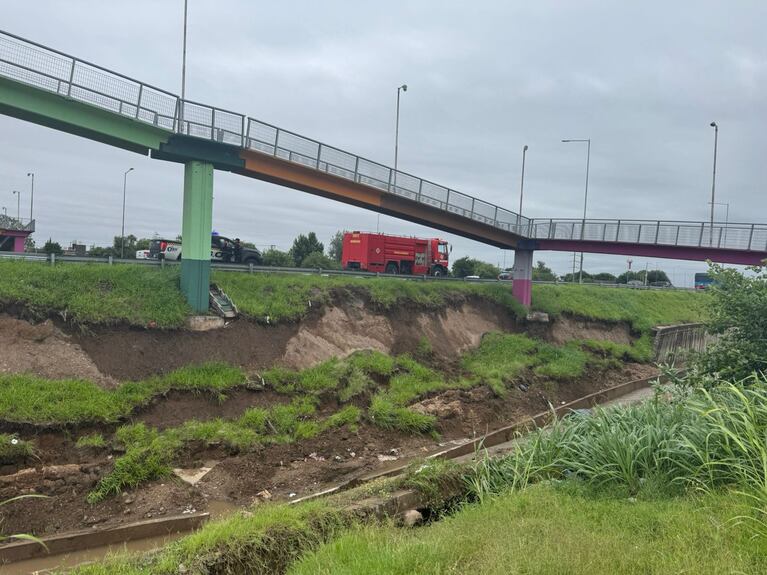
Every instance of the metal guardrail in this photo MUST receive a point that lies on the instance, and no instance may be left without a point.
(249, 268)
(748, 237)
(48, 69)
(16, 224)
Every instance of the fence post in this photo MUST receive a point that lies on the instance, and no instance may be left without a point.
(250, 267)
(319, 153)
(71, 78)
(140, 92)
(53, 259)
(657, 232)
(110, 260)
(751, 236)
(702, 227)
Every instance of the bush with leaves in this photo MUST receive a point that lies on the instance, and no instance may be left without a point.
(738, 315)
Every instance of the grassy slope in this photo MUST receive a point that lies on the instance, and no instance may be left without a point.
(643, 309)
(139, 295)
(95, 293)
(287, 297)
(29, 399)
(546, 530)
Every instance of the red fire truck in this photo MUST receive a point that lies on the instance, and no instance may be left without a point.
(394, 254)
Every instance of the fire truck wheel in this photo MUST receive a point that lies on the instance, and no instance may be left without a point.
(438, 271)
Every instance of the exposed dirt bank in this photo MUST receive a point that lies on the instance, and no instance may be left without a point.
(334, 331)
(45, 350)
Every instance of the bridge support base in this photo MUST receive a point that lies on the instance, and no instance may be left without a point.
(195, 232)
(522, 286)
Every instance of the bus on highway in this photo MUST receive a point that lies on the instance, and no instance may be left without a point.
(703, 281)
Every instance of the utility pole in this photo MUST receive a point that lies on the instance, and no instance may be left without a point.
(713, 182)
(522, 185)
(183, 74)
(18, 204)
(585, 196)
(122, 229)
(402, 88)
(32, 196)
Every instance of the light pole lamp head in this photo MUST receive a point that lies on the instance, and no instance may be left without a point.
(403, 87)
(525, 148)
(30, 174)
(713, 125)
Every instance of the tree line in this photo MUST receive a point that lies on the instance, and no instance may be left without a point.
(467, 266)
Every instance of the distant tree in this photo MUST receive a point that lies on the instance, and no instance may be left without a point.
(652, 276)
(463, 267)
(543, 273)
(276, 258)
(29, 245)
(52, 247)
(486, 270)
(604, 277)
(467, 266)
(336, 246)
(100, 252)
(305, 245)
(142, 244)
(130, 246)
(318, 260)
(250, 245)
(586, 276)
(657, 276)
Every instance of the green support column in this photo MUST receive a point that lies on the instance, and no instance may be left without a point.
(195, 234)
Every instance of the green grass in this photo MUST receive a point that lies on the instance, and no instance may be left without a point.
(502, 357)
(551, 531)
(289, 297)
(142, 295)
(642, 309)
(13, 449)
(95, 293)
(265, 540)
(29, 399)
(150, 454)
(93, 440)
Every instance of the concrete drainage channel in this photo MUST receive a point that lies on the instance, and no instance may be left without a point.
(70, 549)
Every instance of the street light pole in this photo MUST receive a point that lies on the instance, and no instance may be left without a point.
(585, 196)
(122, 229)
(183, 74)
(522, 186)
(726, 217)
(402, 88)
(32, 196)
(18, 204)
(713, 181)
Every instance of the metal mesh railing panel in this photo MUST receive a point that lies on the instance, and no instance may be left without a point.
(374, 174)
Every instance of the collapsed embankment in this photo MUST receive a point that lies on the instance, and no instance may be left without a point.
(275, 428)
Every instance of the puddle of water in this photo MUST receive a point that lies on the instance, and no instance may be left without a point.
(44, 565)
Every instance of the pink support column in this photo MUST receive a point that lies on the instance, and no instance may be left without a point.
(522, 286)
(18, 244)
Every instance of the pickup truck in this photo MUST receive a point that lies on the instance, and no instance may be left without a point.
(221, 250)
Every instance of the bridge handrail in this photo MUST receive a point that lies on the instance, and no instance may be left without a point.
(49, 69)
(723, 235)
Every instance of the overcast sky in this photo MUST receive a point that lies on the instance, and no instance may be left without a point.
(643, 80)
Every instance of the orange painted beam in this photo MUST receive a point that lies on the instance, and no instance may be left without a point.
(289, 174)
